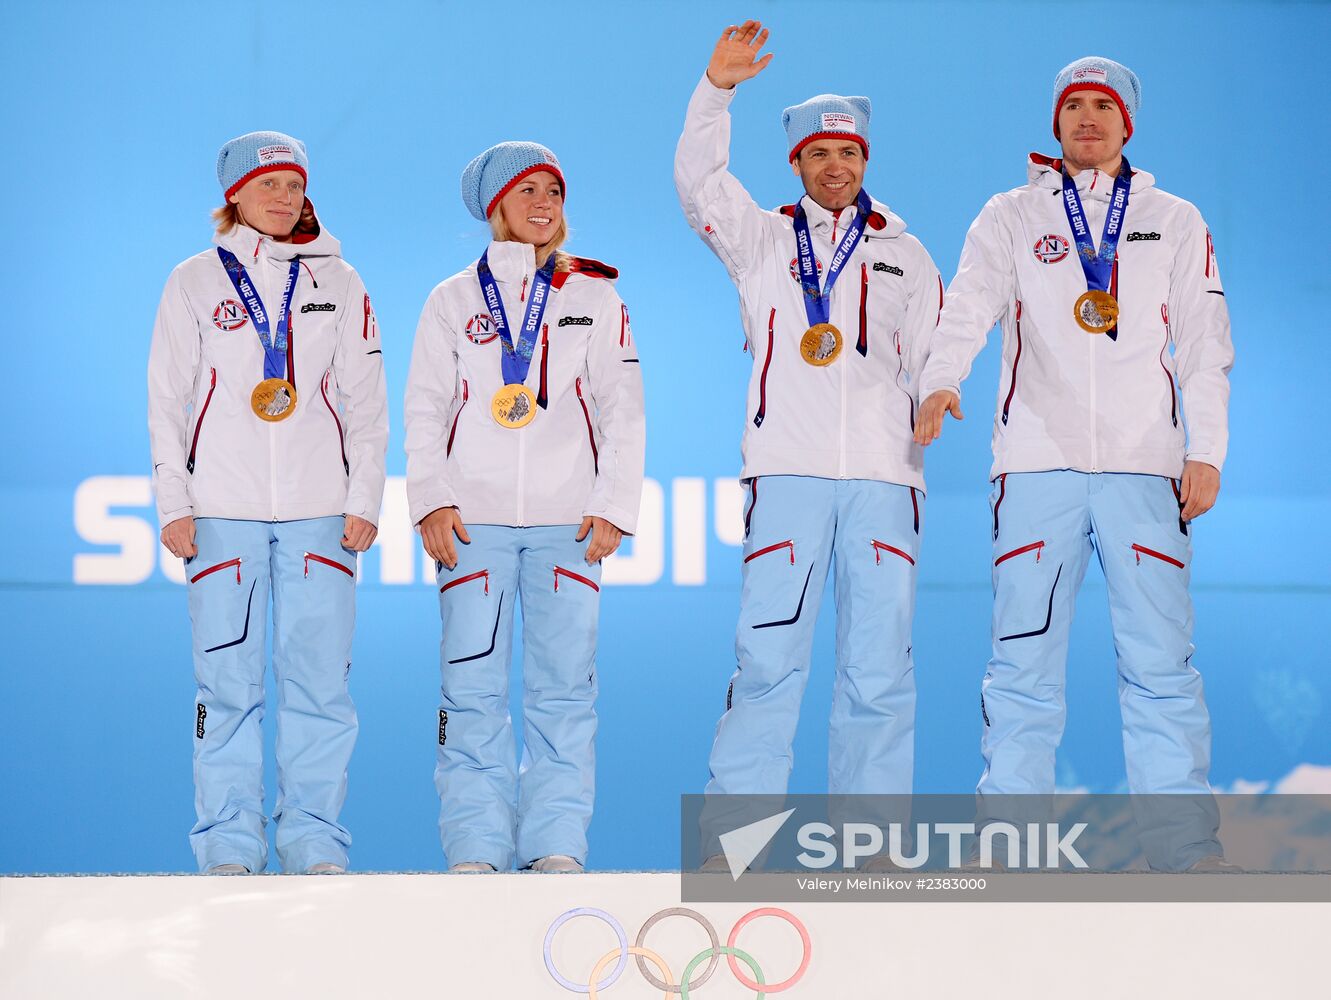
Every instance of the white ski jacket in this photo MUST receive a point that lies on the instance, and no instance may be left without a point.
(1072, 400)
(583, 453)
(853, 418)
(212, 457)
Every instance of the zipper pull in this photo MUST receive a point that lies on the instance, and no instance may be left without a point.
(523, 296)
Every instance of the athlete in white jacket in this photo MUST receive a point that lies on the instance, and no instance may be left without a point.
(1102, 335)
(525, 443)
(838, 305)
(268, 421)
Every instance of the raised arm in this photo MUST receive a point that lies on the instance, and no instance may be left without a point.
(714, 201)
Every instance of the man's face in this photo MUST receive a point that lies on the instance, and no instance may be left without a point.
(1092, 129)
(832, 171)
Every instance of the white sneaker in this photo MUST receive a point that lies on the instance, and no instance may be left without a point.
(1214, 863)
(463, 867)
(228, 870)
(556, 863)
(325, 868)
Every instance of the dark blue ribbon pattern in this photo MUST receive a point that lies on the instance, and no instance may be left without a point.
(274, 348)
(515, 359)
(818, 301)
(1098, 266)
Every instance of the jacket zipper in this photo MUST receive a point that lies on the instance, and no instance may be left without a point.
(341, 439)
(863, 345)
(561, 571)
(452, 431)
(596, 460)
(787, 544)
(841, 458)
(1173, 402)
(1142, 550)
(220, 566)
(325, 561)
(480, 575)
(761, 415)
(1035, 547)
(1012, 387)
(542, 397)
(198, 424)
(910, 400)
(880, 547)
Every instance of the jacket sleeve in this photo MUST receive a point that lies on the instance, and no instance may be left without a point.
(358, 367)
(616, 389)
(173, 366)
(431, 393)
(979, 294)
(714, 201)
(1203, 351)
(922, 313)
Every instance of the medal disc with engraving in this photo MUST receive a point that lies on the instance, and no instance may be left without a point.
(273, 399)
(1096, 311)
(821, 344)
(513, 406)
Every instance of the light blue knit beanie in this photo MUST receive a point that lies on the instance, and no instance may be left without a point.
(827, 116)
(492, 174)
(257, 153)
(1099, 73)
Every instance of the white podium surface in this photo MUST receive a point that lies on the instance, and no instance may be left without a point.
(455, 936)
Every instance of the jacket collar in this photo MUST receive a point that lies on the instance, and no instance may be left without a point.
(250, 244)
(512, 261)
(883, 223)
(1092, 185)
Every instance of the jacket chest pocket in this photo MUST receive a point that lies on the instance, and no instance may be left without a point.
(880, 297)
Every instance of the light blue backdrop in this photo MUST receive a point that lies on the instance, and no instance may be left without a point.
(113, 116)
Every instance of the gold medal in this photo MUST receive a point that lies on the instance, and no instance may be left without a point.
(513, 406)
(821, 344)
(1096, 311)
(273, 399)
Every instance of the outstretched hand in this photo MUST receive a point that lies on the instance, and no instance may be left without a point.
(929, 421)
(735, 58)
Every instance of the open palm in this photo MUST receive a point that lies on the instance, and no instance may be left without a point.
(735, 58)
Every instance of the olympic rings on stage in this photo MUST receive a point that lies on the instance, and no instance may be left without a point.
(666, 983)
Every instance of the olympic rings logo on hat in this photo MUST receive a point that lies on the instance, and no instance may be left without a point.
(686, 983)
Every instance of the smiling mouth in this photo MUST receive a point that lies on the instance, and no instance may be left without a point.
(538, 220)
(835, 185)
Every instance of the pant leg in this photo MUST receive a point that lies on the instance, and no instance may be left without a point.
(314, 618)
(560, 606)
(1146, 553)
(228, 606)
(871, 744)
(476, 768)
(787, 552)
(1041, 549)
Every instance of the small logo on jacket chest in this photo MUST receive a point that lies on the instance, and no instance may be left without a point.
(1051, 248)
(318, 307)
(1142, 236)
(880, 266)
(575, 321)
(480, 329)
(230, 315)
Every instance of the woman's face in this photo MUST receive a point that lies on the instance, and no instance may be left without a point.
(533, 210)
(271, 202)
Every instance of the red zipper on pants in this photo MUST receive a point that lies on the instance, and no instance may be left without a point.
(220, 566)
(561, 571)
(1032, 547)
(311, 556)
(1142, 550)
(788, 543)
(481, 574)
(880, 547)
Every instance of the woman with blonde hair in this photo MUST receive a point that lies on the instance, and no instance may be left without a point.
(525, 439)
(269, 422)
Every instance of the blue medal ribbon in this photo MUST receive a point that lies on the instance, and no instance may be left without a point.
(274, 349)
(515, 359)
(1098, 266)
(818, 301)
